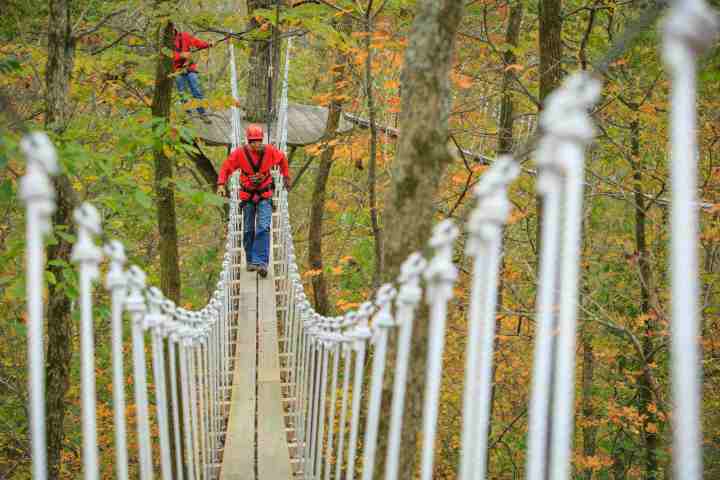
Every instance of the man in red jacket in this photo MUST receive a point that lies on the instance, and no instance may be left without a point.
(255, 162)
(187, 78)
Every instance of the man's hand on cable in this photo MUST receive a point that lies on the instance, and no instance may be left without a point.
(222, 191)
(287, 183)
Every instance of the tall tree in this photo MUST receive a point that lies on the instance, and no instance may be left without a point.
(164, 186)
(317, 208)
(646, 404)
(550, 47)
(507, 110)
(372, 161)
(418, 169)
(164, 166)
(261, 78)
(505, 137)
(58, 73)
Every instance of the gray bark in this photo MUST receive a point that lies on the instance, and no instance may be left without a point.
(317, 209)
(58, 73)
(418, 169)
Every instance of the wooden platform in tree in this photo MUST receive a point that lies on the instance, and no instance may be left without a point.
(306, 125)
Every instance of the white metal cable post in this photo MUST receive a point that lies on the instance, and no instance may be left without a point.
(136, 306)
(440, 274)
(360, 334)
(88, 256)
(485, 245)
(116, 283)
(382, 323)
(549, 185)
(154, 321)
(690, 29)
(574, 130)
(39, 197)
(406, 303)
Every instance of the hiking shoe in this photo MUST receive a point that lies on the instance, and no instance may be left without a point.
(262, 270)
(251, 267)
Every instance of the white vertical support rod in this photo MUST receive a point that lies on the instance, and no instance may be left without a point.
(360, 334)
(154, 322)
(406, 303)
(382, 323)
(137, 308)
(312, 393)
(88, 256)
(173, 337)
(183, 345)
(550, 187)
(321, 401)
(690, 28)
(574, 129)
(335, 352)
(39, 197)
(116, 282)
(478, 250)
(486, 224)
(440, 275)
(347, 362)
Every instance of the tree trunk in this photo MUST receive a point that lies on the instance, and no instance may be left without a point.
(61, 58)
(372, 161)
(260, 84)
(317, 208)
(646, 408)
(165, 193)
(550, 46)
(164, 188)
(504, 146)
(505, 127)
(418, 169)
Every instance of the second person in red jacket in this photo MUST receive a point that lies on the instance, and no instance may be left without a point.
(186, 69)
(255, 162)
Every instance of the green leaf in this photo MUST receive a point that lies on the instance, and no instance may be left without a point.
(6, 191)
(143, 199)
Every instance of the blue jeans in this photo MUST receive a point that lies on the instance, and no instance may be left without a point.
(190, 81)
(256, 232)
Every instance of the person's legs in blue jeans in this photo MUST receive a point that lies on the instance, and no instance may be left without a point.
(249, 209)
(182, 83)
(194, 83)
(261, 245)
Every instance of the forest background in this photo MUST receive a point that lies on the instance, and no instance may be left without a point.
(94, 74)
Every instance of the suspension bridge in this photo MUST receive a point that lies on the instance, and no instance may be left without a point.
(257, 385)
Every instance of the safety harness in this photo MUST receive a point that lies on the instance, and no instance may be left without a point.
(256, 190)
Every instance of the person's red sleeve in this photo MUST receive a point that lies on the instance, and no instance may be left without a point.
(229, 166)
(282, 163)
(198, 44)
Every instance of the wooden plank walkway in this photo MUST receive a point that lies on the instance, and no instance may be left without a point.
(273, 452)
(239, 453)
(256, 447)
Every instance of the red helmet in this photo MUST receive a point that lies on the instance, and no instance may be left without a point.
(254, 132)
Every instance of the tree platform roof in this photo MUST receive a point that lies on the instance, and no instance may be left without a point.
(306, 125)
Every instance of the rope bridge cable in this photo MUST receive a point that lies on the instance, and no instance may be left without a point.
(192, 389)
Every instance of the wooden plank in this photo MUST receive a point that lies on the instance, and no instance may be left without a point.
(239, 452)
(273, 451)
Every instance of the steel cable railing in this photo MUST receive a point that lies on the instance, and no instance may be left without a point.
(193, 379)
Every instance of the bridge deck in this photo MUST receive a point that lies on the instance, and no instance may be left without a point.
(256, 446)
